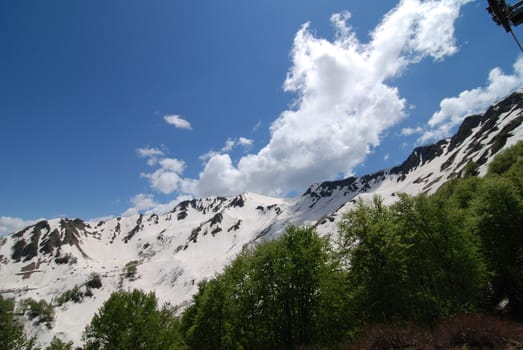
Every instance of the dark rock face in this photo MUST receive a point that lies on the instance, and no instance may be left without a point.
(237, 202)
(325, 189)
(184, 206)
(501, 138)
(235, 227)
(420, 156)
(464, 131)
(71, 231)
(216, 231)
(117, 230)
(276, 208)
(200, 205)
(135, 230)
(181, 215)
(328, 188)
(25, 250)
(50, 243)
(264, 210)
(46, 242)
(153, 218)
(216, 219)
(194, 234)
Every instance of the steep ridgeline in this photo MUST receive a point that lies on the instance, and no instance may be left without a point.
(77, 264)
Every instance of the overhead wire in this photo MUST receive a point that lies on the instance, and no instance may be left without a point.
(516, 40)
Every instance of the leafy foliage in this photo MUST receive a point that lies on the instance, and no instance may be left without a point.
(471, 169)
(75, 295)
(132, 320)
(57, 344)
(12, 336)
(412, 261)
(497, 212)
(78, 293)
(508, 162)
(131, 268)
(273, 297)
(41, 310)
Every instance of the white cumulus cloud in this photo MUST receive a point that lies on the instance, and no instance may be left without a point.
(167, 179)
(152, 154)
(412, 131)
(149, 152)
(141, 202)
(177, 121)
(454, 109)
(243, 141)
(229, 145)
(145, 203)
(345, 101)
(9, 224)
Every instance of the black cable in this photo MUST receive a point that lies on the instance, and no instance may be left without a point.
(517, 41)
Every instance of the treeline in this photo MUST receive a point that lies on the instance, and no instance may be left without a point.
(418, 261)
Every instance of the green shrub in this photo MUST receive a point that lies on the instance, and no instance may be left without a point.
(94, 282)
(58, 344)
(40, 310)
(12, 335)
(131, 269)
(74, 295)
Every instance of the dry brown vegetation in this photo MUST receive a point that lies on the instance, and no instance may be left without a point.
(478, 331)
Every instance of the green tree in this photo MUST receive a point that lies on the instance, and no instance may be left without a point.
(498, 214)
(471, 169)
(378, 262)
(209, 322)
(58, 344)
(12, 335)
(412, 261)
(41, 310)
(510, 158)
(296, 282)
(446, 267)
(132, 320)
(270, 297)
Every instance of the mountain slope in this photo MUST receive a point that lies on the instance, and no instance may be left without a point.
(172, 252)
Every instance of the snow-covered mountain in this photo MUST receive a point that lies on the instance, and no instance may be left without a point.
(64, 260)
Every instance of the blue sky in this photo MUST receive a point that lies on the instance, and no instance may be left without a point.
(116, 107)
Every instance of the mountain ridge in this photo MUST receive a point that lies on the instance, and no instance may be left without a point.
(173, 251)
